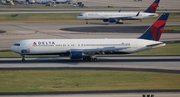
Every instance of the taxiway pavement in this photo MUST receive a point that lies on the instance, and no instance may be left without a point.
(171, 94)
(67, 12)
(139, 63)
(12, 32)
(164, 4)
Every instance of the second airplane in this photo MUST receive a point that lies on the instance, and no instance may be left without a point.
(117, 17)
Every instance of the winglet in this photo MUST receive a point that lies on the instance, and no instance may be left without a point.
(138, 13)
(153, 7)
(155, 30)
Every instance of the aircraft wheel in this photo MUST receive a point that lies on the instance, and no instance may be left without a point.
(23, 60)
(92, 59)
(86, 21)
(119, 22)
(95, 59)
(85, 59)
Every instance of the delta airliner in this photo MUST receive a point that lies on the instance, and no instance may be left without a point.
(117, 17)
(87, 49)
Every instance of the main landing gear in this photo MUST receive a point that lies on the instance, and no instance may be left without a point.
(90, 58)
(23, 58)
(119, 22)
(86, 21)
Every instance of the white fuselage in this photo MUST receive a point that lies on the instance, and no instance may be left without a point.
(117, 15)
(58, 46)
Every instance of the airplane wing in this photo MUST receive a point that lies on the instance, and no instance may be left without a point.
(98, 50)
(126, 17)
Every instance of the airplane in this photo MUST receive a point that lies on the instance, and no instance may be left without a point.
(86, 49)
(118, 16)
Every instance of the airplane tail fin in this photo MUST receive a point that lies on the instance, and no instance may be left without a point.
(153, 7)
(155, 30)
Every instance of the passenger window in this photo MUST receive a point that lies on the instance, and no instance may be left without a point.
(80, 15)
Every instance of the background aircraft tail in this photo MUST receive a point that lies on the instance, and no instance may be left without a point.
(153, 7)
(155, 30)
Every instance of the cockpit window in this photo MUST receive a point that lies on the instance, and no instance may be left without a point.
(17, 44)
(81, 15)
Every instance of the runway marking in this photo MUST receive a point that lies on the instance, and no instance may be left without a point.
(91, 92)
(94, 68)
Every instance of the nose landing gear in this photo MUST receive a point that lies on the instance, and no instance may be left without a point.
(86, 21)
(23, 58)
(119, 22)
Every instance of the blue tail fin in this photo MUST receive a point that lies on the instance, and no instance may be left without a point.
(155, 30)
(153, 7)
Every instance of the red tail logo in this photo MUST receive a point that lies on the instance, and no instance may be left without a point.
(157, 29)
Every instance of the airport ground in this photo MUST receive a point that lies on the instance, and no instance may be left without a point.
(105, 95)
(10, 32)
(123, 4)
(160, 65)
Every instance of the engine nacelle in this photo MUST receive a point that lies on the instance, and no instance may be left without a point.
(76, 54)
(112, 20)
(106, 20)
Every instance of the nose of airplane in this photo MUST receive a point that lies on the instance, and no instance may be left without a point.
(81, 16)
(14, 49)
(78, 17)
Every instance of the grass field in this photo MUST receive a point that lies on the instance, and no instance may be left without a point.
(38, 18)
(84, 80)
(63, 18)
(174, 28)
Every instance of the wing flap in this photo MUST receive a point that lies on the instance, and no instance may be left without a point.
(98, 50)
(126, 17)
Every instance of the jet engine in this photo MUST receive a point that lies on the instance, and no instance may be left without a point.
(76, 54)
(105, 20)
(112, 20)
